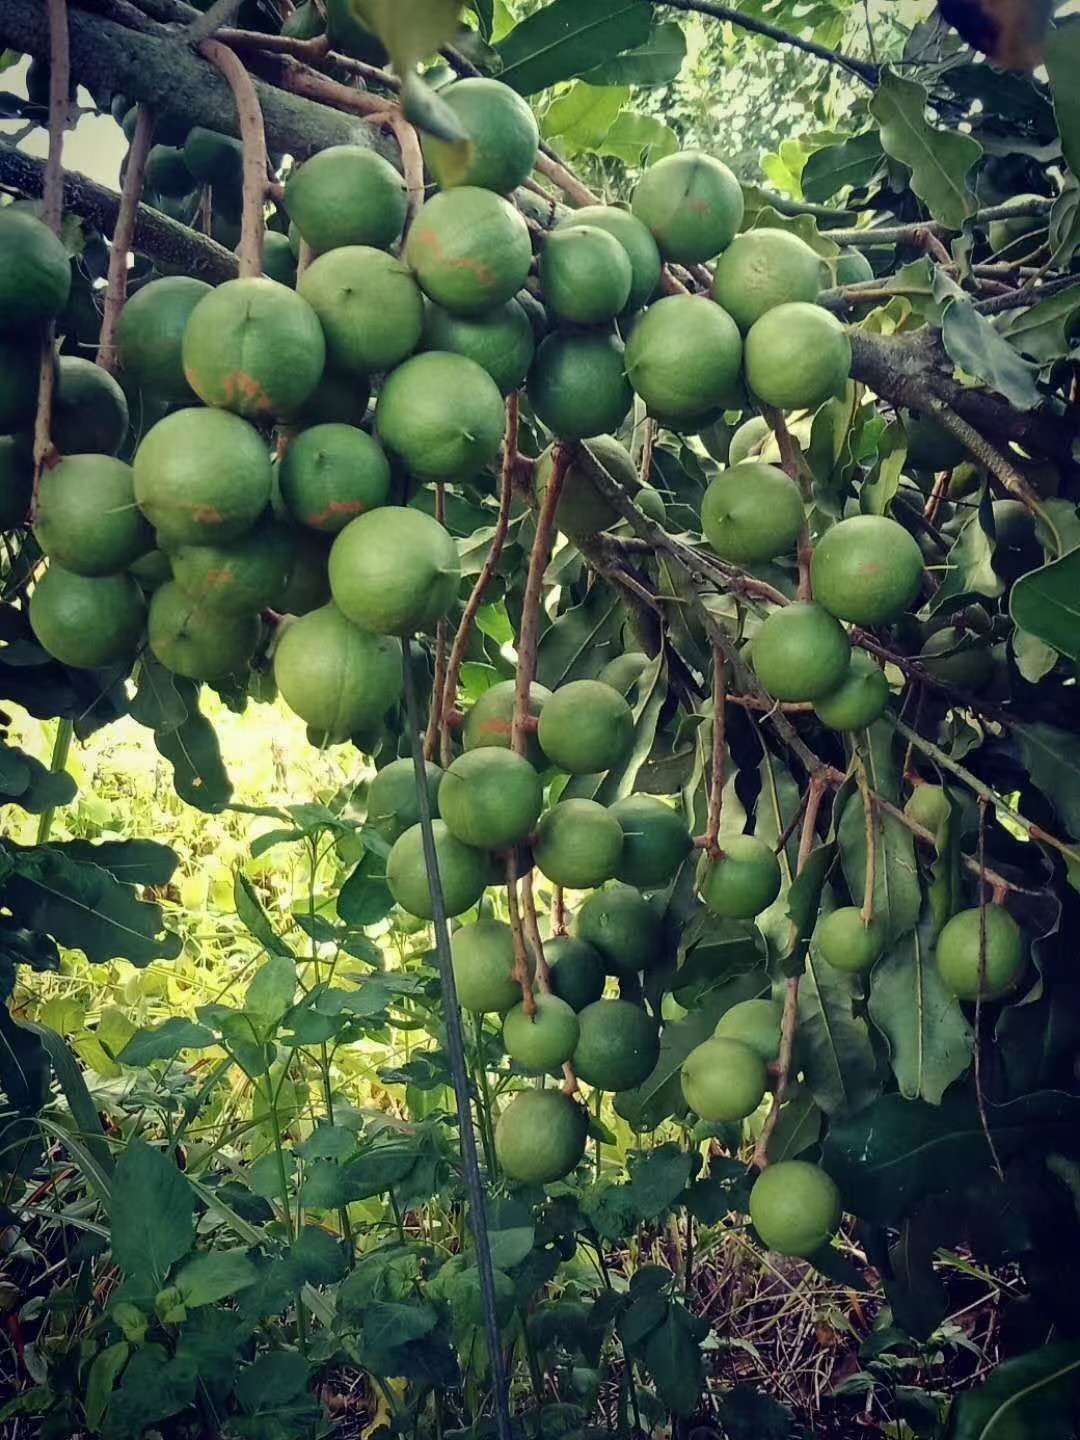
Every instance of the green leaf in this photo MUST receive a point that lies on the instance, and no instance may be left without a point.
(271, 991)
(104, 1370)
(273, 1380)
(657, 62)
(135, 862)
(837, 1057)
(582, 640)
(32, 785)
(651, 1102)
(153, 1388)
(897, 898)
(214, 1276)
(979, 350)
(896, 1151)
(317, 1256)
(939, 160)
(569, 38)
(878, 491)
(930, 1041)
(765, 217)
(1031, 1395)
(1062, 59)
(250, 913)
(582, 115)
(428, 111)
(364, 897)
(85, 908)
(798, 1126)
(970, 571)
(638, 139)
(412, 32)
(1046, 603)
(1051, 758)
(1034, 658)
(1042, 332)
(152, 1214)
(165, 1041)
(834, 167)
(673, 1358)
(199, 775)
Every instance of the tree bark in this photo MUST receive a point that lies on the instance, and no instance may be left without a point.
(180, 86)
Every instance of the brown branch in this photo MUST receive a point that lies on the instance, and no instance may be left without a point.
(314, 51)
(648, 444)
(995, 462)
(532, 934)
(789, 1024)
(530, 605)
(521, 954)
(123, 235)
(300, 80)
(558, 911)
(483, 580)
(566, 181)
(861, 69)
(719, 740)
(910, 233)
(412, 161)
(219, 13)
(253, 137)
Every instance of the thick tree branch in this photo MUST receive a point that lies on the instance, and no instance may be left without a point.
(876, 236)
(910, 370)
(173, 245)
(862, 69)
(111, 58)
(253, 135)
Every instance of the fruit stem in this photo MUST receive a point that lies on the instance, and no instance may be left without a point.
(253, 136)
(558, 911)
(521, 954)
(530, 605)
(483, 580)
(818, 786)
(719, 741)
(459, 1074)
(412, 161)
(980, 1099)
(867, 911)
(532, 935)
(123, 235)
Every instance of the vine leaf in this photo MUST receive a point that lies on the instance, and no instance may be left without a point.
(153, 1214)
(568, 38)
(930, 1042)
(1034, 1394)
(1046, 603)
(939, 160)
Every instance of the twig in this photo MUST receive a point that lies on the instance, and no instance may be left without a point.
(528, 633)
(861, 69)
(300, 80)
(253, 136)
(946, 762)
(316, 50)
(558, 911)
(567, 182)
(220, 13)
(995, 462)
(123, 235)
(648, 444)
(412, 161)
(867, 911)
(521, 954)
(483, 580)
(909, 234)
(790, 1021)
(719, 740)
(980, 1099)
(928, 838)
